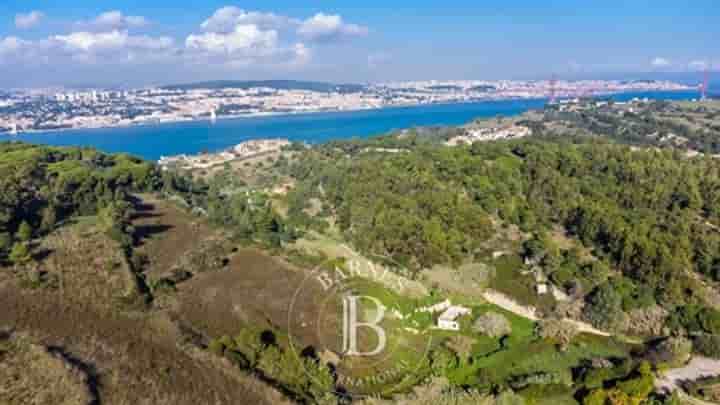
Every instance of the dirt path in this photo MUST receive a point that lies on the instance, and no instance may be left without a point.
(508, 304)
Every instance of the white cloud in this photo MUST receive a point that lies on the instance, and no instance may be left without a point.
(114, 40)
(87, 47)
(230, 38)
(234, 36)
(28, 20)
(325, 27)
(660, 62)
(246, 44)
(225, 20)
(113, 20)
(244, 39)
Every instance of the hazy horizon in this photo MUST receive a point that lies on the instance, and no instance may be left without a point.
(686, 78)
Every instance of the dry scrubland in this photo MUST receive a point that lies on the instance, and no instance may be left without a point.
(79, 328)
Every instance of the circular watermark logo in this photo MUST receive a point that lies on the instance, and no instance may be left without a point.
(354, 317)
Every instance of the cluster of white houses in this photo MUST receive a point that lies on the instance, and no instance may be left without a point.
(243, 150)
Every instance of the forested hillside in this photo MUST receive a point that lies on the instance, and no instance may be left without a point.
(629, 237)
(649, 215)
(41, 186)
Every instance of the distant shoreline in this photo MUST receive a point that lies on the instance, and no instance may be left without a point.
(313, 112)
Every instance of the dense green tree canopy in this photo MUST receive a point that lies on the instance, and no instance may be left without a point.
(650, 213)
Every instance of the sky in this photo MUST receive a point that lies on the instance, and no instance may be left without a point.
(150, 42)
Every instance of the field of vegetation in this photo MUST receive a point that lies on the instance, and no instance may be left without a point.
(129, 284)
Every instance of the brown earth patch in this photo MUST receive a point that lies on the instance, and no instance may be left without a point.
(259, 290)
(34, 374)
(166, 233)
(134, 360)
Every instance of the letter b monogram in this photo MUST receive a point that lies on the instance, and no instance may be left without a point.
(351, 325)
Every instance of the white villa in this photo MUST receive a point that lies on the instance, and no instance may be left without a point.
(449, 316)
(448, 319)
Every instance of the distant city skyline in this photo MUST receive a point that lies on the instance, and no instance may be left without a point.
(154, 42)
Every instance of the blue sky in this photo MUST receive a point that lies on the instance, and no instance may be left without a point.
(83, 42)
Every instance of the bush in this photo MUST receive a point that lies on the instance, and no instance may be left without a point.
(557, 331)
(492, 324)
(672, 352)
(634, 390)
(710, 320)
(604, 309)
(707, 345)
(20, 253)
(5, 242)
(694, 318)
(216, 347)
(541, 378)
(685, 319)
(462, 346)
(593, 378)
(443, 360)
(646, 321)
(24, 232)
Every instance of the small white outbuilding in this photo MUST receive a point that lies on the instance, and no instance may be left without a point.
(448, 319)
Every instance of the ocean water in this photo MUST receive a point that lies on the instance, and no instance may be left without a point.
(153, 141)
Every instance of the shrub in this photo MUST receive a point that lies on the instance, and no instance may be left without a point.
(685, 318)
(5, 242)
(462, 346)
(558, 331)
(443, 360)
(216, 347)
(24, 232)
(438, 391)
(642, 385)
(710, 320)
(596, 377)
(20, 253)
(694, 318)
(541, 378)
(248, 343)
(632, 391)
(707, 345)
(492, 324)
(673, 352)
(646, 321)
(604, 309)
